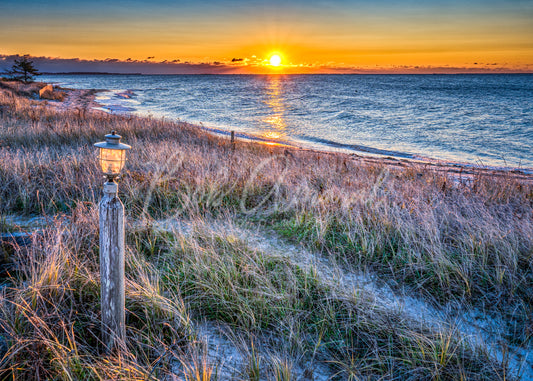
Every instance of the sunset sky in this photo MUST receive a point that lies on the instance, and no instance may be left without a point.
(241, 35)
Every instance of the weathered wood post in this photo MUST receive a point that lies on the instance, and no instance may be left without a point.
(233, 140)
(112, 159)
(112, 266)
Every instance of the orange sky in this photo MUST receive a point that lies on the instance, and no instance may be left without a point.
(383, 35)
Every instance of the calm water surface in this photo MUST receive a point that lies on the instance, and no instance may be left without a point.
(478, 119)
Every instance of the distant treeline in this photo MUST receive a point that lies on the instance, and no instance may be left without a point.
(88, 73)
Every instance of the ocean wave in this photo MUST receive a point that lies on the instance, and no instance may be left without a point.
(116, 109)
(358, 147)
(127, 94)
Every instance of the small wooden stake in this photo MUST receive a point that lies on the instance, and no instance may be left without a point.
(112, 267)
(233, 140)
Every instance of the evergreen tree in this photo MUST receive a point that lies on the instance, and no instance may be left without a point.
(23, 70)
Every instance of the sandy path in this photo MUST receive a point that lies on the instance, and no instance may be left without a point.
(471, 325)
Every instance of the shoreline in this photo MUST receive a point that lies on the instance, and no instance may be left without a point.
(461, 172)
(448, 139)
(321, 145)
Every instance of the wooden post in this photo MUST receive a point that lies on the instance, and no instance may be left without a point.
(112, 267)
(233, 140)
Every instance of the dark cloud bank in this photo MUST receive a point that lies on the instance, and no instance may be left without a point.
(69, 65)
(236, 66)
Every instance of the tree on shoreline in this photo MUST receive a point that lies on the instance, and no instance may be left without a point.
(24, 70)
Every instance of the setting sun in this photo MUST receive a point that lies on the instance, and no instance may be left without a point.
(275, 60)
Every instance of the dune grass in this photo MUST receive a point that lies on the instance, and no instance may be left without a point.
(221, 279)
(426, 233)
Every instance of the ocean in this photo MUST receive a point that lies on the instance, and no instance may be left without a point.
(482, 120)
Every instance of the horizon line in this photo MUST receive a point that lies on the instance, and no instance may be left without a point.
(278, 74)
(58, 65)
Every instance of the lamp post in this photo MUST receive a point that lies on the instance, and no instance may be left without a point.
(112, 157)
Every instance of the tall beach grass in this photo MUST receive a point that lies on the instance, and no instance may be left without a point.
(422, 231)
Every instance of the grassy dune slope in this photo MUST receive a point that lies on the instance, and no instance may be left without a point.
(424, 234)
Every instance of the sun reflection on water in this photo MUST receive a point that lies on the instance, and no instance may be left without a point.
(276, 125)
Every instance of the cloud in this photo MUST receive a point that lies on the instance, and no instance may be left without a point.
(246, 65)
(114, 65)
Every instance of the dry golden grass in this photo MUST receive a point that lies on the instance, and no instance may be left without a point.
(442, 240)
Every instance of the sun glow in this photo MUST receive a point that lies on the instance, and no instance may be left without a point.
(275, 60)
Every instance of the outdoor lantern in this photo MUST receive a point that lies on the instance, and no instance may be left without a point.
(112, 155)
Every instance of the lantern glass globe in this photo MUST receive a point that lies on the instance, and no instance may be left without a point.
(112, 161)
(112, 156)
